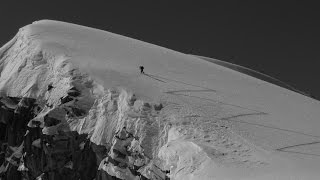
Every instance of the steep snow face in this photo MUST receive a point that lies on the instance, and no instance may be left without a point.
(195, 118)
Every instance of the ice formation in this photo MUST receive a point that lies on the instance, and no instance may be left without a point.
(75, 106)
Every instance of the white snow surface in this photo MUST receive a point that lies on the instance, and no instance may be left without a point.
(216, 123)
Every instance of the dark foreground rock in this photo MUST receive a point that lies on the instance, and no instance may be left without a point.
(27, 153)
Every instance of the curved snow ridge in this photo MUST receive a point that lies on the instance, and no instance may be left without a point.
(252, 73)
(36, 29)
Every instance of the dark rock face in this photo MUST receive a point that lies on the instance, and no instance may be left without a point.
(14, 124)
(26, 153)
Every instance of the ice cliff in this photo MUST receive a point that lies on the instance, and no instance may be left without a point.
(74, 106)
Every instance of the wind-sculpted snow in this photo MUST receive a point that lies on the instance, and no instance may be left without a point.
(74, 105)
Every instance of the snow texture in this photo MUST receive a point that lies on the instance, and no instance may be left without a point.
(198, 119)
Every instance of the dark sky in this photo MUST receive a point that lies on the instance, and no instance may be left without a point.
(280, 39)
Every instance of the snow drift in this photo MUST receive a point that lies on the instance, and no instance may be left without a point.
(189, 118)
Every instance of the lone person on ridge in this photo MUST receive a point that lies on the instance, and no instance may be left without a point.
(141, 69)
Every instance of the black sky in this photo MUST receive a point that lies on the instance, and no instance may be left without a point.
(280, 39)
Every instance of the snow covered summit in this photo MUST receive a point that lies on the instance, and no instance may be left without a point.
(185, 118)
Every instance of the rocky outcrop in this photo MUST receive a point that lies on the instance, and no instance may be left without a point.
(90, 148)
(68, 132)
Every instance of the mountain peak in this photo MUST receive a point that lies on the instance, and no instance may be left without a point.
(70, 89)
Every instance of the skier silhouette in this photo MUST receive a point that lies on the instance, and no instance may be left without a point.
(141, 69)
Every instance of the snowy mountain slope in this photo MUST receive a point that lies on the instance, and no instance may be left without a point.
(215, 123)
(252, 73)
